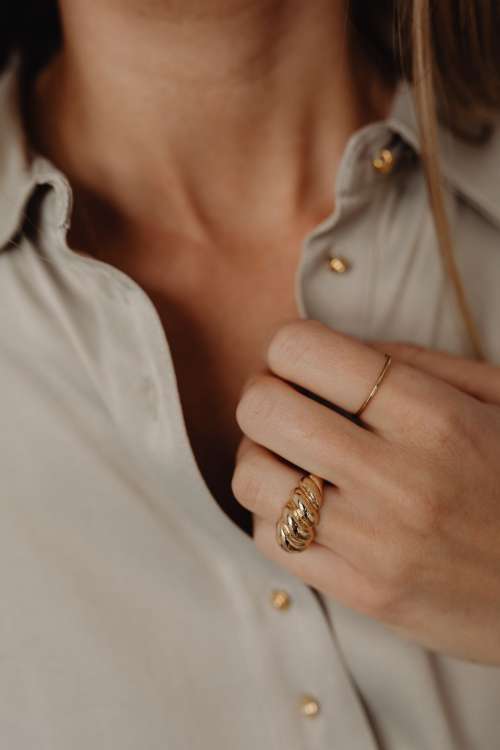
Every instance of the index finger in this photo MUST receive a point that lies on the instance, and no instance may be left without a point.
(476, 377)
(343, 370)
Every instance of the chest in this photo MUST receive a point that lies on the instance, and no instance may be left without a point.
(218, 336)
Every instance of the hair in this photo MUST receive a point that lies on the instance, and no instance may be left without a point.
(447, 49)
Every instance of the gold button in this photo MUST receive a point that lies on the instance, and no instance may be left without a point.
(339, 265)
(383, 162)
(309, 706)
(280, 599)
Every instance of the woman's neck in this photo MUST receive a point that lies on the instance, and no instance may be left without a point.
(191, 103)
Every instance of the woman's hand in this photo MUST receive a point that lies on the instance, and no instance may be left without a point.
(409, 532)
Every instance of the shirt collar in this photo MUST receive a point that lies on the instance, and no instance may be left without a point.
(22, 170)
(16, 179)
(472, 170)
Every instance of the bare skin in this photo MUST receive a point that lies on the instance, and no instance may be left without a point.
(201, 139)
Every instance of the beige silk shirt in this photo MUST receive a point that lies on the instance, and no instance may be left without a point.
(135, 615)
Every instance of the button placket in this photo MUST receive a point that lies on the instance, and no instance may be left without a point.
(316, 683)
(336, 281)
(308, 705)
(358, 191)
(324, 248)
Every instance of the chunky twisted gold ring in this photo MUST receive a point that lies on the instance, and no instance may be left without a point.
(295, 528)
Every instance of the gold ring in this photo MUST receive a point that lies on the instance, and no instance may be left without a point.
(295, 528)
(378, 382)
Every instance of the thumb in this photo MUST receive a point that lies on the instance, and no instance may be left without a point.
(479, 379)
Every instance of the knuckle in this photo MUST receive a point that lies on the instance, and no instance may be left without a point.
(380, 600)
(412, 354)
(246, 485)
(390, 587)
(399, 567)
(428, 508)
(318, 435)
(291, 341)
(413, 408)
(445, 423)
(256, 402)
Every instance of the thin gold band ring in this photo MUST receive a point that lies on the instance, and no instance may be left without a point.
(376, 386)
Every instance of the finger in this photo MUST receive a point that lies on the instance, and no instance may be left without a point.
(343, 370)
(263, 484)
(479, 379)
(323, 569)
(244, 445)
(306, 433)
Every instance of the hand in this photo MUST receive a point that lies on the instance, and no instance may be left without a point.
(409, 532)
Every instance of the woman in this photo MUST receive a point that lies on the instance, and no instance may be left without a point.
(214, 218)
